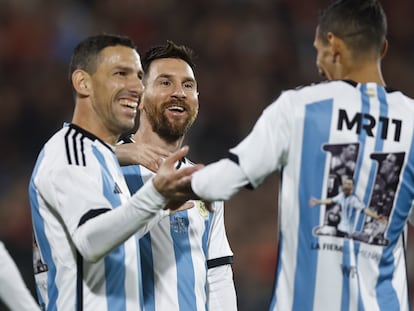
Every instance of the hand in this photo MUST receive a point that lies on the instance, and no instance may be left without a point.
(177, 206)
(140, 153)
(313, 202)
(172, 183)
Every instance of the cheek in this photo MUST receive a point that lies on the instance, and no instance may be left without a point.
(194, 107)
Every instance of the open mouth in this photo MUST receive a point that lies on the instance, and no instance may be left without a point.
(176, 109)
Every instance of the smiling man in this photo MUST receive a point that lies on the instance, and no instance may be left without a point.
(84, 218)
(186, 258)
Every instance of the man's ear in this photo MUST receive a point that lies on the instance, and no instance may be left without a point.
(81, 82)
(337, 46)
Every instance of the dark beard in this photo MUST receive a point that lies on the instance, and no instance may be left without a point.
(167, 130)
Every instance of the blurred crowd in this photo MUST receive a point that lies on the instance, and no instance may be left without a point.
(248, 51)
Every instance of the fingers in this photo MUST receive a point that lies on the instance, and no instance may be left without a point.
(176, 156)
(176, 206)
(173, 183)
(187, 171)
(161, 152)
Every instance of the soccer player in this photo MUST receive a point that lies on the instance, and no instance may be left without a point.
(355, 106)
(13, 290)
(186, 258)
(84, 218)
(349, 209)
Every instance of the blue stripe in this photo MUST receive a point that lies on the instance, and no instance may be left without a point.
(379, 143)
(43, 243)
(179, 225)
(315, 133)
(396, 226)
(140, 288)
(133, 178)
(365, 108)
(346, 263)
(387, 297)
(114, 261)
(362, 138)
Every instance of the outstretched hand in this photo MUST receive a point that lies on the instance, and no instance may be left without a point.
(141, 153)
(175, 184)
(313, 201)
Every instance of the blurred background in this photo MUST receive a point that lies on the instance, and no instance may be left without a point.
(248, 52)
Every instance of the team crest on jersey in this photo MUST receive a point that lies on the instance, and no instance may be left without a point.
(179, 224)
(202, 208)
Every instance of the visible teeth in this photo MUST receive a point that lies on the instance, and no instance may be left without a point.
(129, 103)
(181, 109)
(132, 105)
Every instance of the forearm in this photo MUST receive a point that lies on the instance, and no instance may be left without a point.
(219, 181)
(371, 213)
(324, 201)
(99, 235)
(13, 290)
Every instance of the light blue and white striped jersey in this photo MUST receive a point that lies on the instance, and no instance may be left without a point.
(76, 178)
(350, 209)
(175, 251)
(300, 134)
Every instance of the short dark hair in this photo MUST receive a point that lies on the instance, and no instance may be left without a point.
(362, 24)
(86, 53)
(169, 50)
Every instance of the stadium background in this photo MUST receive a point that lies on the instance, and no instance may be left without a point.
(248, 52)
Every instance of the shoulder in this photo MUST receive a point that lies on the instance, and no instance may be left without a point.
(73, 147)
(323, 87)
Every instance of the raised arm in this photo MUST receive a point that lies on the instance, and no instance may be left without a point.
(314, 201)
(98, 235)
(140, 153)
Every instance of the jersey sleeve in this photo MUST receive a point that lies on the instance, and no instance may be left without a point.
(261, 153)
(13, 290)
(73, 192)
(265, 149)
(218, 245)
(86, 210)
(221, 294)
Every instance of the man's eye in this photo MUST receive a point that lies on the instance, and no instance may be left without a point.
(120, 73)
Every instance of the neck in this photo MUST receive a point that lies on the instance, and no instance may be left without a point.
(367, 72)
(94, 125)
(146, 135)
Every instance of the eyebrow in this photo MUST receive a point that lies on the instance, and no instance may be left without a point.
(166, 75)
(125, 68)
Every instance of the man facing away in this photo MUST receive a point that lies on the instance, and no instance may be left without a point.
(329, 272)
(186, 258)
(84, 217)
